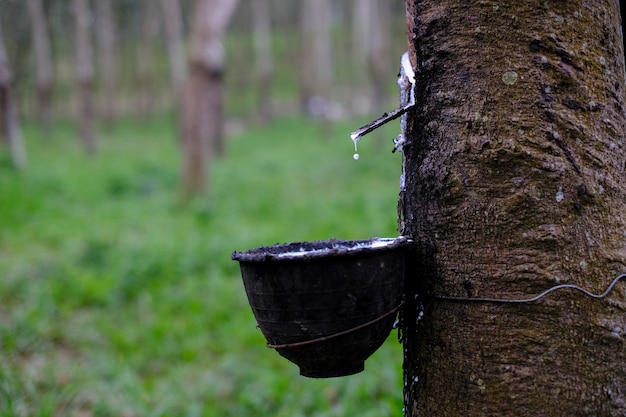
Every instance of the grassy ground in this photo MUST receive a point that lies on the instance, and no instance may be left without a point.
(114, 301)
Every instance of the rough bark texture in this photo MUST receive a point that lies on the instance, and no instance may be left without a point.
(84, 74)
(202, 115)
(515, 182)
(10, 129)
(43, 61)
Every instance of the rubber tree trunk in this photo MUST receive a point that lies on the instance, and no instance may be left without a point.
(11, 131)
(202, 106)
(44, 74)
(515, 181)
(106, 40)
(84, 74)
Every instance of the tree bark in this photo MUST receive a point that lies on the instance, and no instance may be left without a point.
(44, 73)
(262, 36)
(9, 123)
(202, 118)
(175, 45)
(84, 74)
(515, 181)
(105, 31)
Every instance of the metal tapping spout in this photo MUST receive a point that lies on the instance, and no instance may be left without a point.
(406, 82)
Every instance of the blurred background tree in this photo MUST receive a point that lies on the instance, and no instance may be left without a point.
(85, 73)
(9, 122)
(113, 300)
(42, 61)
(107, 59)
(202, 107)
(94, 61)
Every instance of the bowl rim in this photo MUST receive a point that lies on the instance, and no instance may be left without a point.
(320, 249)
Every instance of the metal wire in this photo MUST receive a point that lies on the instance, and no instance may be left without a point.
(461, 299)
(321, 339)
(537, 297)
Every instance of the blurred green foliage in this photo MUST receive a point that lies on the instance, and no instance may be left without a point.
(116, 301)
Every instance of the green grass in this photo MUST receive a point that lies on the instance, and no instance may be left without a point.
(114, 301)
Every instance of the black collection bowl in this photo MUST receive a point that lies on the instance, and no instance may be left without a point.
(325, 305)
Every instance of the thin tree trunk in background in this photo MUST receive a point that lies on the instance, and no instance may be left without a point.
(202, 118)
(515, 182)
(370, 46)
(361, 41)
(105, 36)
(262, 36)
(316, 61)
(322, 51)
(379, 56)
(175, 45)
(9, 122)
(306, 59)
(84, 74)
(149, 18)
(43, 62)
